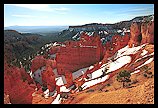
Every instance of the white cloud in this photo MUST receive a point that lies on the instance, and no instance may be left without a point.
(24, 16)
(136, 9)
(62, 9)
(40, 7)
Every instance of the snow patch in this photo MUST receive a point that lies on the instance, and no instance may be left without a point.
(64, 89)
(144, 52)
(135, 72)
(94, 82)
(79, 72)
(60, 80)
(127, 51)
(91, 67)
(147, 62)
(57, 100)
(119, 63)
(46, 93)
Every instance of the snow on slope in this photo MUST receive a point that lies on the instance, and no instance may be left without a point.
(112, 67)
(147, 62)
(122, 59)
(57, 100)
(94, 82)
(119, 63)
(79, 72)
(127, 51)
(60, 80)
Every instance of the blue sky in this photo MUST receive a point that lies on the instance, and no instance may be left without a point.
(71, 14)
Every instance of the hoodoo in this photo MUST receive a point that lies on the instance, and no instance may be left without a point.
(135, 31)
(147, 30)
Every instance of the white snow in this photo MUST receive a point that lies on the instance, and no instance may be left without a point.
(75, 35)
(128, 31)
(91, 67)
(119, 63)
(46, 93)
(147, 62)
(144, 52)
(42, 48)
(92, 34)
(97, 73)
(127, 51)
(119, 31)
(60, 80)
(55, 93)
(79, 72)
(93, 82)
(55, 44)
(57, 100)
(105, 32)
(135, 72)
(31, 74)
(64, 89)
(81, 32)
(24, 58)
(111, 65)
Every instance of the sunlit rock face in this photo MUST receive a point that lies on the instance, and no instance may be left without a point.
(18, 89)
(79, 54)
(69, 78)
(135, 31)
(147, 30)
(48, 78)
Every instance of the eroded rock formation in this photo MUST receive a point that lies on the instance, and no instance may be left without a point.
(48, 78)
(147, 30)
(135, 38)
(37, 62)
(19, 91)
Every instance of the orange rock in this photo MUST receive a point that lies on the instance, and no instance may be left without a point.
(6, 99)
(79, 54)
(135, 31)
(69, 78)
(19, 92)
(144, 32)
(48, 78)
(51, 63)
(26, 76)
(150, 32)
(37, 62)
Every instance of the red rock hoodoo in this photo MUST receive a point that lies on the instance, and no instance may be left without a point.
(19, 92)
(135, 34)
(147, 30)
(48, 78)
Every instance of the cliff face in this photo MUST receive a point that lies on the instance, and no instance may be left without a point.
(141, 33)
(79, 54)
(135, 31)
(147, 30)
